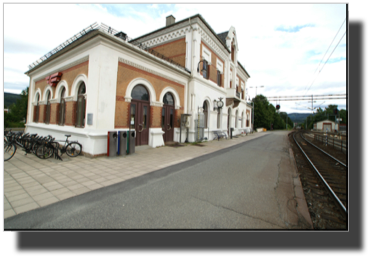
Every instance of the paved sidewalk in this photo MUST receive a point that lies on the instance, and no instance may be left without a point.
(31, 183)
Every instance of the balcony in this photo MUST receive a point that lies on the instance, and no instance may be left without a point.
(233, 97)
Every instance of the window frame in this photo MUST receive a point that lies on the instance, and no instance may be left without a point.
(62, 108)
(82, 111)
(37, 112)
(47, 108)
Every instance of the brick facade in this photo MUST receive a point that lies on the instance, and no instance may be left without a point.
(125, 75)
(69, 76)
(213, 75)
(175, 50)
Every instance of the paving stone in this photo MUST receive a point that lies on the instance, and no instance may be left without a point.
(37, 191)
(48, 201)
(9, 213)
(42, 196)
(26, 207)
(65, 195)
(20, 202)
(18, 197)
(81, 190)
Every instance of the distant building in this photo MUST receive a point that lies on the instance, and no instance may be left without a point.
(326, 126)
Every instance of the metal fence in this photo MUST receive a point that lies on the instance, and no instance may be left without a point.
(338, 144)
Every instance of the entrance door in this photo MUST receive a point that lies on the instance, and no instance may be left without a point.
(139, 114)
(140, 121)
(167, 117)
(167, 122)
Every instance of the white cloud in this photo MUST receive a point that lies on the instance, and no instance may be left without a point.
(284, 62)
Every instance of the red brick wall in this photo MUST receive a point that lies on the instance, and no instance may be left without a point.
(213, 75)
(175, 50)
(70, 113)
(125, 75)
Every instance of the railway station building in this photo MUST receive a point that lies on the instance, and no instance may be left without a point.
(101, 80)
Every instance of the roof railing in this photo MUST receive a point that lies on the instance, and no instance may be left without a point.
(110, 31)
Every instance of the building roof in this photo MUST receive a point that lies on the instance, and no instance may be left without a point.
(89, 33)
(223, 36)
(179, 22)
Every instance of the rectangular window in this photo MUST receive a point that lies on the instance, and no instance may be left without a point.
(219, 77)
(205, 69)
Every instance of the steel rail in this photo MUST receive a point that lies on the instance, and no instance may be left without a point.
(324, 151)
(324, 181)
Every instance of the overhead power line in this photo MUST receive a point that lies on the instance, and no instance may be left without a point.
(325, 55)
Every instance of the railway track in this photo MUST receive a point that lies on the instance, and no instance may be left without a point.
(324, 181)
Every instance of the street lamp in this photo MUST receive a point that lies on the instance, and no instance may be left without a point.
(261, 86)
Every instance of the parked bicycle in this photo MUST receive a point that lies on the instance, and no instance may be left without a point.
(42, 147)
(71, 148)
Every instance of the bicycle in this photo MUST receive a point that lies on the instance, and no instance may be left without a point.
(9, 147)
(12, 140)
(71, 148)
(45, 149)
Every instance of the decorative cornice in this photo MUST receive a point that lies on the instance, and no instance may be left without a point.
(165, 36)
(128, 99)
(210, 39)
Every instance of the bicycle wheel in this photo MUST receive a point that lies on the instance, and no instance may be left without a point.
(9, 150)
(44, 151)
(73, 149)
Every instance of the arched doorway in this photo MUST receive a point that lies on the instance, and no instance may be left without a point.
(139, 114)
(167, 121)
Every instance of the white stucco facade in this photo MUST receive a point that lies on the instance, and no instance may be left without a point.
(101, 55)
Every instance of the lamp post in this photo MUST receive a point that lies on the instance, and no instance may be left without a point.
(261, 86)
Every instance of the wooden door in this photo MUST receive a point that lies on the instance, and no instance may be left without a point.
(140, 121)
(167, 122)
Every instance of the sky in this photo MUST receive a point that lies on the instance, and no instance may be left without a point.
(287, 48)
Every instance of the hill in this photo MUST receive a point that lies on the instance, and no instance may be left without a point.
(298, 117)
(10, 98)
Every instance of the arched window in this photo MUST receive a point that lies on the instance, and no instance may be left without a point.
(81, 106)
(139, 92)
(205, 112)
(47, 109)
(168, 99)
(37, 108)
(62, 108)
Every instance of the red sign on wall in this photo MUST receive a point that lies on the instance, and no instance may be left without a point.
(53, 79)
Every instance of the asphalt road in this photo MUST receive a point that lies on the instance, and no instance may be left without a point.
(235, 188)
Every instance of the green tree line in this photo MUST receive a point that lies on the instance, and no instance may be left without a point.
(327, 113)
(17, 111)
(265, 114)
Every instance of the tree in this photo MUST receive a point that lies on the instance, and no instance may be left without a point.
(17, 112)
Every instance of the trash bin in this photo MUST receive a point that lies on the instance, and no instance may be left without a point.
(231, 130)
(122, 143)
(132, 140)
(111, 144)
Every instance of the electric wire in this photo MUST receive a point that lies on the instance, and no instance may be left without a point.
(325, 55)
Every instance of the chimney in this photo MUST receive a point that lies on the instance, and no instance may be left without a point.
(170, 20)
(121, 35)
